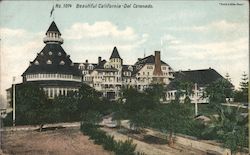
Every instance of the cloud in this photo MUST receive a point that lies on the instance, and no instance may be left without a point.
(225, 56)
(98, 29)
(169, 39)
(99, 38)
(7, 32)
(215, 26)
(224, 50)
(18, 47)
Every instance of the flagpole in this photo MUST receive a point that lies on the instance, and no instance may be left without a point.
(53, 10)
(53, 16)
(14, 102)
(196, 99)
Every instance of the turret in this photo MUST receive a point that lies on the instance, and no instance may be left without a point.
(115, 59)
(53, 35)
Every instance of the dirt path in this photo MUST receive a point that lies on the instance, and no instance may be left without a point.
(58, 142)
(141, 146)
(155, 149)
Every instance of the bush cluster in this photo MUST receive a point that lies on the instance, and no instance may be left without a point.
(99, 137)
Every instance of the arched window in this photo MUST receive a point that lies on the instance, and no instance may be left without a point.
(50, 53)
(59, 53)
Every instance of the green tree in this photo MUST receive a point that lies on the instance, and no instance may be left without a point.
(171, 118)
(136, 101)
(66, 107)
(218, 91)
(242, 94)
(88, 99)
(183, 88)
(187, 88)
(91, 117)
(227, 77)
(156, 92)
(139, 103)
(230, 128)
(32, 106)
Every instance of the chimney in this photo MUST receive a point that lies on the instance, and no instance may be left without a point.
(87, 61)
(99, 60)
(157, 70)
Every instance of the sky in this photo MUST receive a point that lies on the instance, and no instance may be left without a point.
(189, 34)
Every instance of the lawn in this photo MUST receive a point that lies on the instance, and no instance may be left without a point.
(63, 141)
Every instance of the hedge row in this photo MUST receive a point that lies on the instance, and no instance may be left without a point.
(100, 137)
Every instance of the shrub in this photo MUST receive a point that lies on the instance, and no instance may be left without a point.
(125, 148)
(99, 137)
(109, 143)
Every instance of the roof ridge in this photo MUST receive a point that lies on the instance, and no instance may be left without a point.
(197, 70)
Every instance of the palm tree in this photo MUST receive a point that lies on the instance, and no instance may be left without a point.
(230, 128)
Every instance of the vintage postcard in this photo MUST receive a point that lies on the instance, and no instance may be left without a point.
(124, 77)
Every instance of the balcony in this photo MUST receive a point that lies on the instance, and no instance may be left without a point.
(51, 39)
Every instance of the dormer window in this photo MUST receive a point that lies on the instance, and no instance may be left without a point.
(90, 67)
(59, 53)
(130, 68)
(50, 53)
(106, 66)
(49, 62)
(81, 66)
(62, 62)
(36, 62)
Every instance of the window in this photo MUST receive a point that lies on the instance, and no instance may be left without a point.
(149, 67)
(42, 53)
(130, 68)
(50, 92)
(90, 67)
(59, 53)
(164, 68)
(50, 53)
(62, 62)
(81, 66)
(36, 62)
(106, 66)
(46, 91)
(49, 62)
